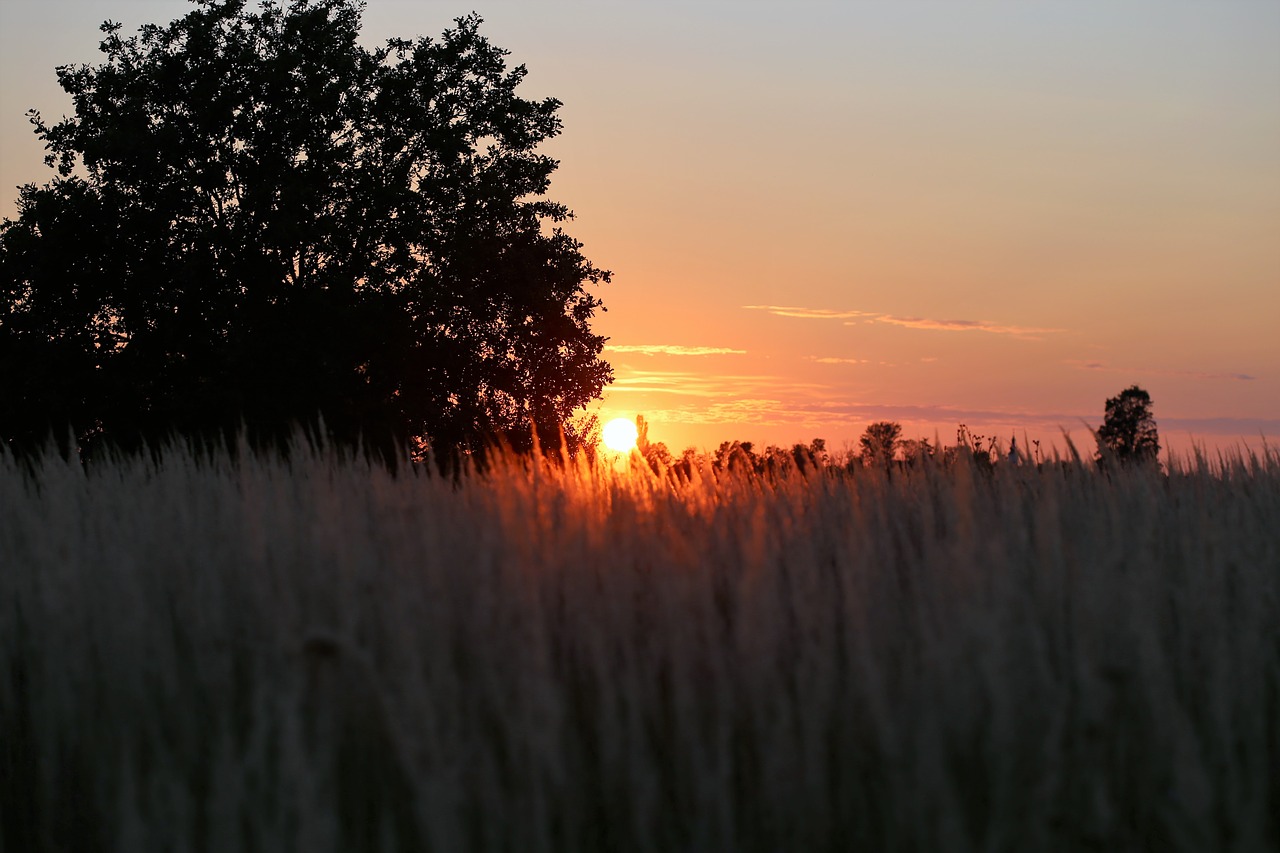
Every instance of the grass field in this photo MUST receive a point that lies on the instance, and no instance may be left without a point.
(208, 653)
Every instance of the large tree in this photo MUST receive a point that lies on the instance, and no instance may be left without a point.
(257, 220)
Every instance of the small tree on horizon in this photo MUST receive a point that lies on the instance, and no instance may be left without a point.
(655, 453)
(916, 450)
(736, 456)
(1128, 430)
(879, 442)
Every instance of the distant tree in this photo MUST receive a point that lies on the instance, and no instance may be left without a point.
(812, 455)
(1128, 431)
(258, 220)
(879, 441)
(736, 456)
(775, 459)
(691, 460)
(642, 434)
(915, 451)
(655, 453)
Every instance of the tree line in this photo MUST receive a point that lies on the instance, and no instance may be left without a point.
(1128, 437)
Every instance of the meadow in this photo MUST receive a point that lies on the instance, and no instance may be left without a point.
(243, 652)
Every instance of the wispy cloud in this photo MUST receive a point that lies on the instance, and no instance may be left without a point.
(749, 401)
(1221, 426)
(686, 383)
(809, 313)
(665, 382)
(830, 360)
(963, 326)
(699, 398)
(764, 400)
(1184, 374)
(815, 412)
(755, 412)
(672, 349)
(928, 323)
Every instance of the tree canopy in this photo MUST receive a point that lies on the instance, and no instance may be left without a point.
(257, 220)
(879, 441)
(1128, 431)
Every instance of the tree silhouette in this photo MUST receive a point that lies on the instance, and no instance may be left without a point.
(258, 221)
(655, 453)
(879, 441)
(736, 456)
(1128, 430)
(916, 451)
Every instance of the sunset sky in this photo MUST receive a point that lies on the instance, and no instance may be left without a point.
(823, 214)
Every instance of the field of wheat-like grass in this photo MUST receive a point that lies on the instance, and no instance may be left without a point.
(220, 652)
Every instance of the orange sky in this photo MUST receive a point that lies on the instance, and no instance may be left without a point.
(820, 215)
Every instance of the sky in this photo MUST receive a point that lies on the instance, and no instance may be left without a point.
(820, 215)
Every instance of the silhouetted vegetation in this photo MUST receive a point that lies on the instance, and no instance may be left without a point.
(1128, 432)
(258, 222)
(654, 453)
(879, 441)
(916, 451)
(257, 654)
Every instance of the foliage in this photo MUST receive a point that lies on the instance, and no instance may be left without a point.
(1128, 432)
(916, 451)
(970, 445)
(212, 653)
(736, 456)
(258, 220)
(655, 453)
(879, 441)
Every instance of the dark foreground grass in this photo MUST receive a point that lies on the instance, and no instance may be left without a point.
(260, 655)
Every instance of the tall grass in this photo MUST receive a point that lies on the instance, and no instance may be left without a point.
(210, 653)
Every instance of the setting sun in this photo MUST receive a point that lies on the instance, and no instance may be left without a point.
(620, 435)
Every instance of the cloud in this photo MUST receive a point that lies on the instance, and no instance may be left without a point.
(672, 349)
(763, 400)
(663, 382)
(688, 384)
(818, 416)
(743, 399)
(1028, 332)
(963, 326)
(840, 360)
(754, 412)
(1183, 374)
(809, 313)
(747, 402)
(1220, 426)
(861, 411)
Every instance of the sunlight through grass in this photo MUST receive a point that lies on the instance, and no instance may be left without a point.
(228, 654)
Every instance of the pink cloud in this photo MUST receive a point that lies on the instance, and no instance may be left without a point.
(672, 349)
(931, 324)
(1184, 374)
(809, 313)
(963, 326)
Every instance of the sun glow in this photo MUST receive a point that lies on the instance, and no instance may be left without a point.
(620, 435)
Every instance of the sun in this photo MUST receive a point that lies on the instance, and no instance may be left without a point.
(620, 435)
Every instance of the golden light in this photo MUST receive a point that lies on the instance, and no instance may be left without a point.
(620, 435)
